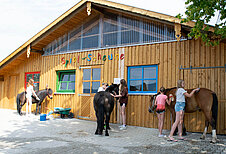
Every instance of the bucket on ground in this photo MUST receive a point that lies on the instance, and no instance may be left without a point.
(42, 117)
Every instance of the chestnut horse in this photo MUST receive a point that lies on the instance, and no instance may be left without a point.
(204, 100)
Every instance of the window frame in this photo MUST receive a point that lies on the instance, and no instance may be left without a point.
(142, 92)
(25, 82)
(147, 32)
(91, 79)
(58, 82)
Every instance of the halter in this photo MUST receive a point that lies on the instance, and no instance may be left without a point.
(48, 92)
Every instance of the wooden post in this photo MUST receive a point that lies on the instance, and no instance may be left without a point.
(28, 51)
(177, 31)
(88, 6)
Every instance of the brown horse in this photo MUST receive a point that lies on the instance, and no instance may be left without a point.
(204, 100)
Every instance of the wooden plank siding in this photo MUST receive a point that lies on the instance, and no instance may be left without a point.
(168, 56)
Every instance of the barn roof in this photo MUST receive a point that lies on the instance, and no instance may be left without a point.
(76, 15)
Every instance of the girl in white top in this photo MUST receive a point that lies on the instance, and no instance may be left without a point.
(30, 91)
(179, 109)
(103, 88)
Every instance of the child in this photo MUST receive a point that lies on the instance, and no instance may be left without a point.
(179, 109)
(123, 100)
(30, 91)
(103, 88)
(160, 101)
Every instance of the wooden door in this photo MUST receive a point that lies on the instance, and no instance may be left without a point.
(1, 94)
(91, 81)
(12, 91)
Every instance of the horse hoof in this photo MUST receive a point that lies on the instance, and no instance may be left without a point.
(184, 134)
(107, 134)
(214, 140)
(108, 128)
(202, 137)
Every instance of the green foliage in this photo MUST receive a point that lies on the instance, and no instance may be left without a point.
(201, 11)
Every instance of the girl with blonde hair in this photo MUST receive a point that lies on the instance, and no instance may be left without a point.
(29, 92)
(179, 109)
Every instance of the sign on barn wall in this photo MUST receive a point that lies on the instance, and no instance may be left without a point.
(99, 57)
(121, 64)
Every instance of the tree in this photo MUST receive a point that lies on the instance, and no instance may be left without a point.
(201, 11)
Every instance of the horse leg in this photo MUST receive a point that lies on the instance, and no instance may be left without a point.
(205, 130)
(21, 104)
(106, 132)
(211, 121)
(107, 124)
(96, 132)
(214, 135)
(173, 116)
(39, 108)
(19, 107)
(184, 130)
(99, 130)
(36, 108)
(107, 121)
(100, 126)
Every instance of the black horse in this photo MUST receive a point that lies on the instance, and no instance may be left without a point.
(103, 105)
(21, 99)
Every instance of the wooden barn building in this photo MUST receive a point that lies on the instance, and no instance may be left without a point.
(100, 41)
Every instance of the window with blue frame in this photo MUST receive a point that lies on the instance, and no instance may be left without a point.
(143, 79)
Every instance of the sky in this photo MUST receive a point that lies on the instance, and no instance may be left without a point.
(20, 20)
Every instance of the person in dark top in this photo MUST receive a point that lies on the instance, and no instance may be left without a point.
(123, 100)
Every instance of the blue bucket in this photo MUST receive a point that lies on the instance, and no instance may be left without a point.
(42, 117)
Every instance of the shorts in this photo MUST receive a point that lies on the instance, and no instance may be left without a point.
(29, 97)
(121, 104)
(179, 106)
(160, 111)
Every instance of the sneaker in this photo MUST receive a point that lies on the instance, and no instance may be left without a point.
(123, 128)
(120, 126)
(162, 135)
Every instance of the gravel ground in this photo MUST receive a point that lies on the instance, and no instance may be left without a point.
(21, 134)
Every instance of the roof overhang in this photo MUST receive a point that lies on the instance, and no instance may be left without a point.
(75, 16)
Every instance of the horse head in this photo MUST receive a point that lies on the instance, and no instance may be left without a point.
(113, 88)
(49, 93)
(152, 106)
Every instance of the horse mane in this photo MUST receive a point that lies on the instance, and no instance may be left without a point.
(169, 89)
(111, 88)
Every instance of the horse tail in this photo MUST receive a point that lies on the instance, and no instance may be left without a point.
(18, 103)
(101, 114)
(214, 109)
